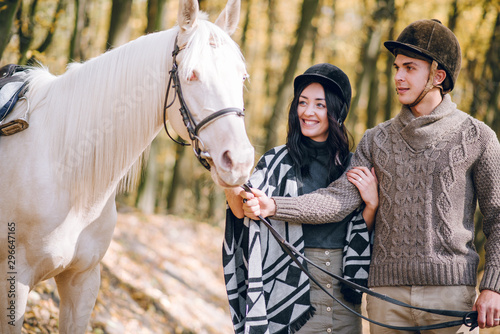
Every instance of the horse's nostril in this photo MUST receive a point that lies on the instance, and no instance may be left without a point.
(226, 160)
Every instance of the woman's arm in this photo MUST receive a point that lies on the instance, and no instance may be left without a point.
(366, 182)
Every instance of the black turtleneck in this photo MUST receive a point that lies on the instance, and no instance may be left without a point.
(331, 235)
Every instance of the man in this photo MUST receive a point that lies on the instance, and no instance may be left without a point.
(433, 163)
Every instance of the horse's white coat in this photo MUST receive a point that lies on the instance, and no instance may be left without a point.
(88, 129)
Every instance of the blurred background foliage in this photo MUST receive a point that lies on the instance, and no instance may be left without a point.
(279, 39)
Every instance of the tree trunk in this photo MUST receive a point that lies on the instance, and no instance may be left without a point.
(314, 43)
(214, 210)
(364, 82)
(26, 36)
(119, 33)
(308, 11)
(246, 24)
(270, 71)
(202, 3)
(478, 84)
(52, 28)
(493, 61)
(453, 15)
(176, 182)
(155, 15)
(147, 191)
(367, 80)
(75, 48)
(373, 100)
(389, 86)
(334, 34)
(7, 13)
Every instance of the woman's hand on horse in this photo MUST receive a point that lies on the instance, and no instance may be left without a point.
(258, 204)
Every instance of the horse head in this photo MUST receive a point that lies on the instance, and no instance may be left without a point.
(210, 75)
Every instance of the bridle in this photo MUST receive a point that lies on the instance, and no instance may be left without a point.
(192, 126)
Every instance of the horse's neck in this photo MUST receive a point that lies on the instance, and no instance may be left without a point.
(110, 113)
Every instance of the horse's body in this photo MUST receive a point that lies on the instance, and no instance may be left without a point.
(88, 129)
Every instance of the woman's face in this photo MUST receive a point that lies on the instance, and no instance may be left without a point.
(312, 112)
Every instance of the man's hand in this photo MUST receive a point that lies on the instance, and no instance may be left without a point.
(258, 204)
(488, 309)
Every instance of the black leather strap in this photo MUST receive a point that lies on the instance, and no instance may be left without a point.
(193, 128)
(212, 117)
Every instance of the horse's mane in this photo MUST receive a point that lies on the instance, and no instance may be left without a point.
(105, 110)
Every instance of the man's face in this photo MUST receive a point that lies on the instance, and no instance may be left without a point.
(410, 78)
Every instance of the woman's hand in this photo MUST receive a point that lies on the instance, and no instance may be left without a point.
(366, 182)
(249, 204)
(235, 201)
(257, 204)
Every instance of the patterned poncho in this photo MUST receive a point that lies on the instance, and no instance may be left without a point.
(267, 291)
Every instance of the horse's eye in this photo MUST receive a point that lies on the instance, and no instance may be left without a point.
(245, 77)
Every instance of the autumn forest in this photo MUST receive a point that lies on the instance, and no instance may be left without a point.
(279, 39)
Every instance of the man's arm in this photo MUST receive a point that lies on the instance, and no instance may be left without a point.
(326, 205)
(487, 185)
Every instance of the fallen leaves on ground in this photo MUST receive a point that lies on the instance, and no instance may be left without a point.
(161, 274)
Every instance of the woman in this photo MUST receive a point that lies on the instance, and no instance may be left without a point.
(266, 290)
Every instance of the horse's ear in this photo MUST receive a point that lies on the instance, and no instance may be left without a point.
(188, 12)
(230, 16)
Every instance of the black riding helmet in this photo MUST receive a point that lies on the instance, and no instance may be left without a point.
(331, 76)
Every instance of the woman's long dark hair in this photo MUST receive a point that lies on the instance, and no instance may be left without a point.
(338, 144)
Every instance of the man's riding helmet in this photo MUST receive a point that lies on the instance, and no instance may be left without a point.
(434, 41)
(331, 76)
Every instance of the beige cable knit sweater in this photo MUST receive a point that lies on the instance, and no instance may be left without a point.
(432, 171)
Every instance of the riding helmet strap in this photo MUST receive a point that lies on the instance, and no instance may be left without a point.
(428, 86)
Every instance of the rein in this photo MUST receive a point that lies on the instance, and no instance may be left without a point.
(193, 128)
(468, 319)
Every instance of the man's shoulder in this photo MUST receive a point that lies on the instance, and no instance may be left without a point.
(380, 130)
(476, 128)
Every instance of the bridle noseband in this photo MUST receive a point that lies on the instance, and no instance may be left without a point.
(193, 128)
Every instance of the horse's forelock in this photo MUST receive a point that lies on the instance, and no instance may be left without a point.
(201, 42)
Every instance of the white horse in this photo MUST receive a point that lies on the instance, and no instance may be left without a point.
(88, 129)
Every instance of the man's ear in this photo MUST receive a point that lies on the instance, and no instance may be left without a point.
(439, 77)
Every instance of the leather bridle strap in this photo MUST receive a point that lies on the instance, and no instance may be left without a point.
(193, 128)
(468, 319)
(218, 114)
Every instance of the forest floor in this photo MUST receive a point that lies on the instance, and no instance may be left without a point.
(160, 275)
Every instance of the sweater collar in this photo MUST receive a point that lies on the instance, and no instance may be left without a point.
(423, 132)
